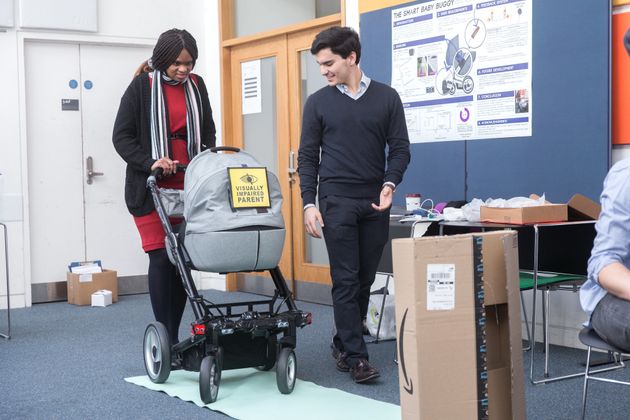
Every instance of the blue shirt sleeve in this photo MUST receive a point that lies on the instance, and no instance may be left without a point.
(612, 243)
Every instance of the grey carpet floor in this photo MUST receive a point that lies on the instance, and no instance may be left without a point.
(69, 362)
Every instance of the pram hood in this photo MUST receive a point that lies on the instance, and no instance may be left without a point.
(207, 201)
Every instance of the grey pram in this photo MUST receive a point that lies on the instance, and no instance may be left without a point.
(218, 236)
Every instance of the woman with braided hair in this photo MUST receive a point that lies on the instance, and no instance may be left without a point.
(164, 119)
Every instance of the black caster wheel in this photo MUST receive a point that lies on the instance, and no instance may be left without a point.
(209, 378)
(285, 370)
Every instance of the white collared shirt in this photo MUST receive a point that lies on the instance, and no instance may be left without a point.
(363, 85)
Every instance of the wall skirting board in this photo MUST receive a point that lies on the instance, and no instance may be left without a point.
(58, 291)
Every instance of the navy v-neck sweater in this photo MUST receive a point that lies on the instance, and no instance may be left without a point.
(352, 136)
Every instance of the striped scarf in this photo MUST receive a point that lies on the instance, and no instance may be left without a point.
(160, 144)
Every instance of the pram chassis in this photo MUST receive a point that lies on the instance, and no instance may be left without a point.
(220, 329)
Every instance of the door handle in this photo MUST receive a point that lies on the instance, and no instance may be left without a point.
(90, 170)
(292, 169)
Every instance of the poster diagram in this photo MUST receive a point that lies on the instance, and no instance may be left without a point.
(463, 68)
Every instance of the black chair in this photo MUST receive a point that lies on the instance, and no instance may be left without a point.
(560, 249)
(591, 340)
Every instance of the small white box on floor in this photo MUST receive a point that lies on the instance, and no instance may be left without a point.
(102, 298)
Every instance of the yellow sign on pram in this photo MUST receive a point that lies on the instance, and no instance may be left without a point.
(249, 188)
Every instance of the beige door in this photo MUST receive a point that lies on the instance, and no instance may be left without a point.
(288, 74)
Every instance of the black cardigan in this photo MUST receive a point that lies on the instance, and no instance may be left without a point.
(132, 139)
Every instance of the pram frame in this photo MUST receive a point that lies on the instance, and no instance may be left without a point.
(270, 322)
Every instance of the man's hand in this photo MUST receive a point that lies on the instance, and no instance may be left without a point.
(385, 200)
(312, 221)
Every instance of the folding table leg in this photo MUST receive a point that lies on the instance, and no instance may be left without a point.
(6, 265)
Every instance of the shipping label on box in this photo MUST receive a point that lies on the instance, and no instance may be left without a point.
(462, 362)
(440, 287)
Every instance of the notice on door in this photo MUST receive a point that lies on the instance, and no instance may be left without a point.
(250, 87)
(69, 104)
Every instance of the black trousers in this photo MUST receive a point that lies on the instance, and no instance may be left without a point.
(355, 235)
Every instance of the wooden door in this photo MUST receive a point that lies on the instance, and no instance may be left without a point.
(288, 74)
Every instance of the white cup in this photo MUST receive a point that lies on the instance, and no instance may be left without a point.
(413, 201)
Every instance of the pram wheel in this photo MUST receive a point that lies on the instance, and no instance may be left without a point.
(157, 352)
(285, 370)
(209, 378)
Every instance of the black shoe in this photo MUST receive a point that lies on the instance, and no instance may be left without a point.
(363, 372)
(340, 357)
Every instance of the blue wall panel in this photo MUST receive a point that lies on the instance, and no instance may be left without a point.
(569, 150)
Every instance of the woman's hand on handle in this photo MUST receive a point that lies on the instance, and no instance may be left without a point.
(168, 166)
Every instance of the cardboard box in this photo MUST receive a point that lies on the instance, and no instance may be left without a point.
(525, 215)
(459, 327)
(81, 286)
(102, 298)
(583, 208)
(579, 207)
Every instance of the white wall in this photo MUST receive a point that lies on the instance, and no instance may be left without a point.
(119, 22)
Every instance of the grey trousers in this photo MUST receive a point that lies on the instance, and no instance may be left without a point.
(611, 321)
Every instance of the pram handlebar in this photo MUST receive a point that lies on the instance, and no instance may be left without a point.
(157, 172)
(224, 149)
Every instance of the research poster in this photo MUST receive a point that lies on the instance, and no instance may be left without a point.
(463, 68)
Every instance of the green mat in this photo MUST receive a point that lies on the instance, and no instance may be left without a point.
(252, 394)
(527, 279)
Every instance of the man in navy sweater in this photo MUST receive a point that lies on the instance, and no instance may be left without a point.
(346, 129)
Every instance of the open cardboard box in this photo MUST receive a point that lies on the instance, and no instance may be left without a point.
(583, 208)
(579, 207)
(459, 327)
(81, 286)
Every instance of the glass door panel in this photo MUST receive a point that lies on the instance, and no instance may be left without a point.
(260, 129)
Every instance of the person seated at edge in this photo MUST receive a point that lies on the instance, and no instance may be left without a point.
(350, 123)
(605, 296)
(164, 119)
